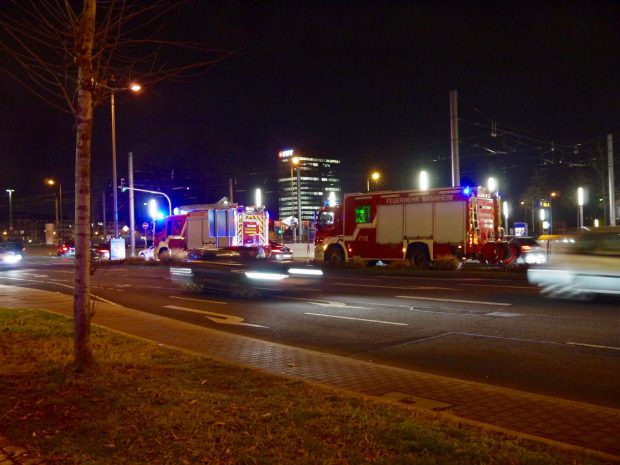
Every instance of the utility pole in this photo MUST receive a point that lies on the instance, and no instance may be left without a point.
(454, 138)
(610, 177)
(132, 215)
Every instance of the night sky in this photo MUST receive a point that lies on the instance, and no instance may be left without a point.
(367, 84)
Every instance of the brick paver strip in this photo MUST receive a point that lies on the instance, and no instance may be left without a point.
(579, 424)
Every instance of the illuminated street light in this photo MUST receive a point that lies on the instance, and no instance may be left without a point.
(492, 184)
(258, 197)
(133, 87)
(374, 176)
(331, 200)
(580, 203)
(295, 162)
(10, 192)
(52, 182)
(506, 211)
(423, 181)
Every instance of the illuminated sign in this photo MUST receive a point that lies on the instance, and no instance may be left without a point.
(285, 153)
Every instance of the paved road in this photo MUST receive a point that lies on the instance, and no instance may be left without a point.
(496, 331)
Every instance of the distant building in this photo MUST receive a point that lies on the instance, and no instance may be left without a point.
(318, 177)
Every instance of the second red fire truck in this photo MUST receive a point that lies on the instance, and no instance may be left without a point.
(413, 226)
(210, 227)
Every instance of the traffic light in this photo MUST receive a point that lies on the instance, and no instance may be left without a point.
(123, 187)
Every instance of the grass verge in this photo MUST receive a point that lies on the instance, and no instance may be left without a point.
(146, 404)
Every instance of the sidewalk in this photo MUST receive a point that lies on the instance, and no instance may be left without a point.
(561, 422)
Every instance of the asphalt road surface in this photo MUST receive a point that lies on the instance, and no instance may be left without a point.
(492, 329)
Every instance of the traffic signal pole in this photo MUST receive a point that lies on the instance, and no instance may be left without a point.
(132, 214)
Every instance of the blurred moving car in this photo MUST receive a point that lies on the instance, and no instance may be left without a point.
(11, 253)
(527, 251)
(66, 249)
(100, 251)
(147, 253)
(242, 275)
(586, 265)
(278, 251)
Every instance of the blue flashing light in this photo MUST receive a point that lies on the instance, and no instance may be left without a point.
(467, 190)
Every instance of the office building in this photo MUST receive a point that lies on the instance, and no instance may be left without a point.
(318, 177)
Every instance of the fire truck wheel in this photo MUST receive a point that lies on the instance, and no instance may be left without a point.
(418, 257)
(334, 256)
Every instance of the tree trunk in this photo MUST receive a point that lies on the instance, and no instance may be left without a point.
(82, 313)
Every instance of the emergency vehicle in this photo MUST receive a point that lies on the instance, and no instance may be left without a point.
(206, 227)
(413, 226)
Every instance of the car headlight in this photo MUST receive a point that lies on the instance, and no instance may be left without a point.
(264, 276)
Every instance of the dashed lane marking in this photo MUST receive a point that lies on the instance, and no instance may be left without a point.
(458, 301)
(193, 299)
(592, 346)
(366, 320)
(409, 288)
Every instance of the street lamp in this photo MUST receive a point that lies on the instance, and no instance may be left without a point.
(258, 197)
(506, 210)
(52, 182)
(10, 192)
(492, 184)
(300, 223)
(374, 176)
(580, 202)
(423, 181)
(133, 87)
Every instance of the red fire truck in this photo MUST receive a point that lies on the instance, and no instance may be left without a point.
(413, 226)
(210, 227)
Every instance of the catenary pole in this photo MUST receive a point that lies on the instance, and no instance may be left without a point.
(610, 177)
(454, 138)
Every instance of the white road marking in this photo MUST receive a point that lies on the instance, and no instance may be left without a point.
(592, 346)
(458, 301)
(500, 285)
(217, 317)
(340, 317)
(325, 303)
(192, 299)
(409, 288)
(336, 305)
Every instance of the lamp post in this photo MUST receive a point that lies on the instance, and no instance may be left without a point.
(492, 185)
(423, 181)
(580, 202)
(134, 87)
(10, 192)
(52, 182)
(374, 176)
(300, 223)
